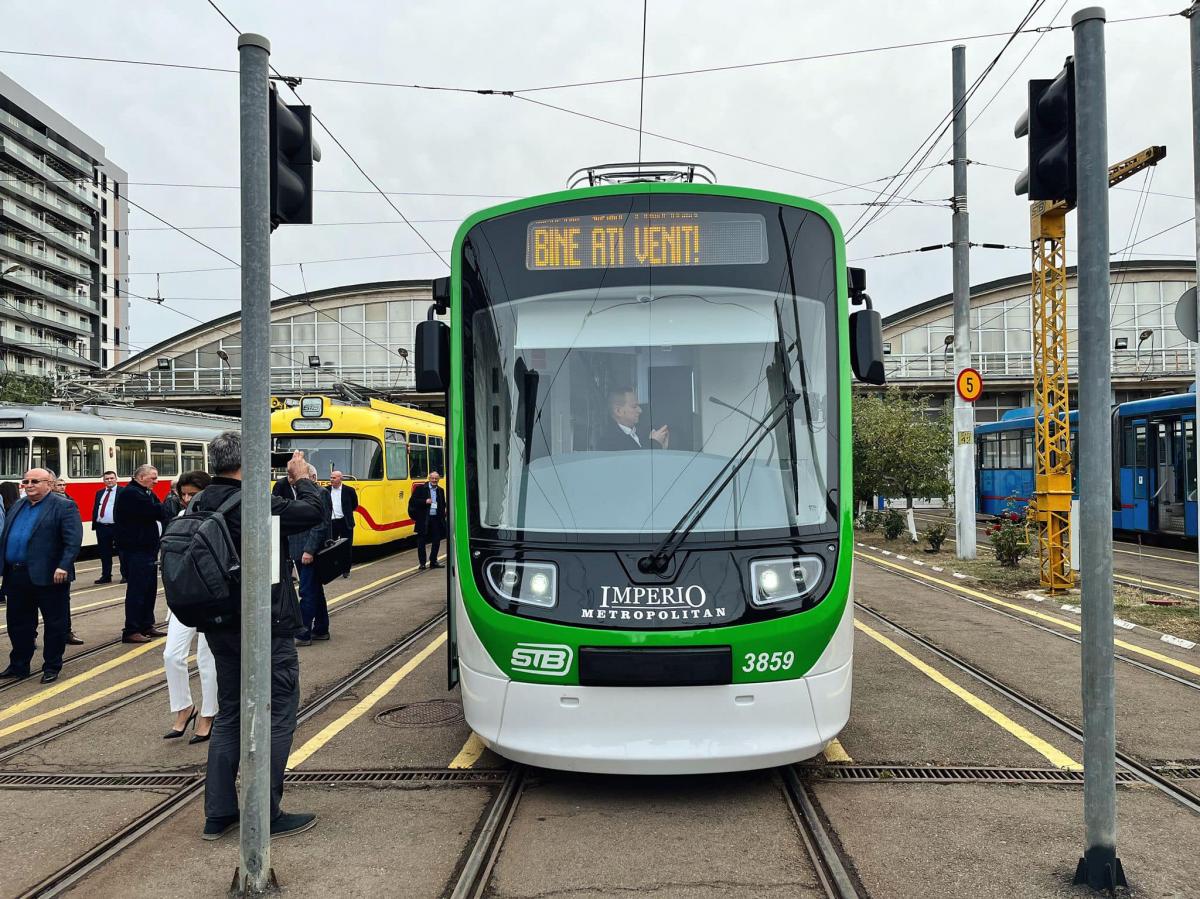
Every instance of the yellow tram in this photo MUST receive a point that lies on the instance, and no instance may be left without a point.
(381, 449)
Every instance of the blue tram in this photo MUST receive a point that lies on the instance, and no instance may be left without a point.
(1154, 469)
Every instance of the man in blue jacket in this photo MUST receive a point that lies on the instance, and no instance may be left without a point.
(39, 543)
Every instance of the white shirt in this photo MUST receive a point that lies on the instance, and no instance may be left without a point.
(433, 506)
(106, 516)
(631, 432)
(335, 494)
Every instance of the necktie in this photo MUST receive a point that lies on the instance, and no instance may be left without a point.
(104, 502)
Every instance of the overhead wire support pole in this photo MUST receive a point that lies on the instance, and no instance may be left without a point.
(1099, 868)
(254, 874)
(964, 412)
(1193, 15)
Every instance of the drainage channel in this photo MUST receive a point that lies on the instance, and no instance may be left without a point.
(947, 775)
(149, 780)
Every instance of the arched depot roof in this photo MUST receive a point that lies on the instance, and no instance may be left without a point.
(1147, 346)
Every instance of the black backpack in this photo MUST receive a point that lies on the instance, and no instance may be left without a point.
(201, 570)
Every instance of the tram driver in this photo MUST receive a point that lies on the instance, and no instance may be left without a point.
(620, 431)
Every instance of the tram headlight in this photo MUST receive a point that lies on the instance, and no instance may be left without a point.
(780, 580)
(530, 583)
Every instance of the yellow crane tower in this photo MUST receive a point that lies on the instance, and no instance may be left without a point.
(1052, 431)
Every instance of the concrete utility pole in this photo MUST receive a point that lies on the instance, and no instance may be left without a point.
(255, 874)
(1194, 29)
(1099, 867)
(964, 412)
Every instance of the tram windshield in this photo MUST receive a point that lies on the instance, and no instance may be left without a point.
(609, 401)
(358, 458)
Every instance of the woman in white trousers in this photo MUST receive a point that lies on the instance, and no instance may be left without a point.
(175, 653)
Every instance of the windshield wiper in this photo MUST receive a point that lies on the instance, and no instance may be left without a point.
(658, 560)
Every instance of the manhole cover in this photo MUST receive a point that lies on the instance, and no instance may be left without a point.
(434, 713)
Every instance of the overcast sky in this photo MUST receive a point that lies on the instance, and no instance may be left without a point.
(849, 119)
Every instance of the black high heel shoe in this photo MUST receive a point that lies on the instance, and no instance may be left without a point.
(201, 738)
(176, 734)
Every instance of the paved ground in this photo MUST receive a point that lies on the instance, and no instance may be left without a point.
(590, 836)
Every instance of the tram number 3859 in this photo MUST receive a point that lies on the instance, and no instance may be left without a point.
(768, 661)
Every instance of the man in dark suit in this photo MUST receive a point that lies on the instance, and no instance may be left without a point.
(38, 547)
(620, 431)
(139, 519)
(344, 500)
(303, 547)
(427, 509)
(103, 509)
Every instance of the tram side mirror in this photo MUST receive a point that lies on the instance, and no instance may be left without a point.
(432, 370)
(866, 346)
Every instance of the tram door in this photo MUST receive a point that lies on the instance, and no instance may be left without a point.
(1168, 457)
(1136, 475)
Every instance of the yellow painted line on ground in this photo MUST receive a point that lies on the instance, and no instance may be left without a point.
(1143, 582)
(1033, 613)
(835, 752)
(1034, 742)
(50, 692)
(469, 754)
(364, 705)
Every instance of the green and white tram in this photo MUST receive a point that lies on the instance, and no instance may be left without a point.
(648, 388)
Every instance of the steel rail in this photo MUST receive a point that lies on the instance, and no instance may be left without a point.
(949, 590)
(1141, 770)
(826, 860)
(481, 857)
(98, 855)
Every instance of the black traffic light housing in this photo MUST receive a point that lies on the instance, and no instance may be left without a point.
(1050, 124)
(292, 154)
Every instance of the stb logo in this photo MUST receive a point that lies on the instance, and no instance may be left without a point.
(551, 659)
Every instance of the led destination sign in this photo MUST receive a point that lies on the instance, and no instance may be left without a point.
(643, 239)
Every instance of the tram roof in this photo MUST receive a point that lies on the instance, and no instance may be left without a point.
(118, 420)
(1179, 402)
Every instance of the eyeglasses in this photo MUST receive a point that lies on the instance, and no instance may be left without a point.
(26, 481)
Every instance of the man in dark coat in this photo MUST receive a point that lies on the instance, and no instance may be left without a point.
(296, 516)
(427, 509)
(104, 524)
(139, 519)
(344, 501)
(302, 551)
(620, 431)
(39, 543)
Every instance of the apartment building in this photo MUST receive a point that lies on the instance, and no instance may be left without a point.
(64, 253)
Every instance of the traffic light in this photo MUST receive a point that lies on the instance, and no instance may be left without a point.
(1050, 124)
(292, 154)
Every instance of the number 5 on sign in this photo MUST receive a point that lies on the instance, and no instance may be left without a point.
(969, 384)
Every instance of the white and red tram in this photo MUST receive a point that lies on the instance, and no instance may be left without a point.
(80, 445)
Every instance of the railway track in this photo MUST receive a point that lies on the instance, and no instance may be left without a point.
(74, 871)
(948, 590)
(67, 727)
(1138, 769)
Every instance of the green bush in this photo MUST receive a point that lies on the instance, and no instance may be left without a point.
(935, 535)
(893, 524)
(869, 521)
(1008, 537)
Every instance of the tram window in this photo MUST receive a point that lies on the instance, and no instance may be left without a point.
(1027, 449)
(85, 457)
(990, 450)
(1127, 444)
(437, 459)
(1190, 464)
(165, 457)
(1141, 457)
(193, 456)
(1010, 450)
(395, 450)
(358, 458)
(418, 457)
(14, 457)
(130, 454)
(46, 454)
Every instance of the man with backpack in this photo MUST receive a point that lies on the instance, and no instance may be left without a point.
(196, 542)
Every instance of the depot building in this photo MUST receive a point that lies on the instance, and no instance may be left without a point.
(1150, 356)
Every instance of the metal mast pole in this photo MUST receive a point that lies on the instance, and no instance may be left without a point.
(1099, 867)
(255, 872)
(1194, 30)
(964, 412)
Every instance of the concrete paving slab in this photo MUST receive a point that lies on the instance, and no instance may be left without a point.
(368, 842)
(591, 836)
(42, 830)
(1154, 715)
(898, 715)
(924, 841)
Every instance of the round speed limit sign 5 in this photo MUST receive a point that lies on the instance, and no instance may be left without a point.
(969, 384)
